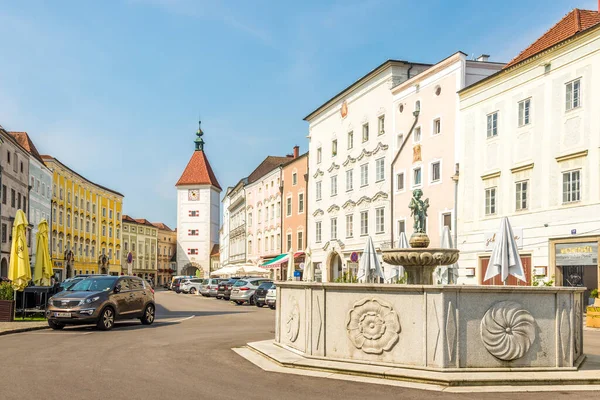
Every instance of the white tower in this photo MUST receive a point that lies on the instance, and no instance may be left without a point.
(198, 213)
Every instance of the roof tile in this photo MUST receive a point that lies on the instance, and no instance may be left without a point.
(198, 172)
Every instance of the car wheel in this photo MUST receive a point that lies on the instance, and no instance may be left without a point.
(272, 307)
(239, 303)
(193, 291)
(148, 317)
(251, 301)
(57, 326)
(218, 297)
(259, 304)
(107, 319)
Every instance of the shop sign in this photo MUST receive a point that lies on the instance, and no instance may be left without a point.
(576, 253)
(489, 239)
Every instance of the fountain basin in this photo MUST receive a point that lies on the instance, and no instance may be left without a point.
(419, 264)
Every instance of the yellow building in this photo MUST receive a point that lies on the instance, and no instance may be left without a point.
(86, 224)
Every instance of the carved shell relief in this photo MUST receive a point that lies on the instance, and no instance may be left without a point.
(373, 326)
(293, 321)
(507, 330)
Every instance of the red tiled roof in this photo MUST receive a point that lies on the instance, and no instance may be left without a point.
(574, 22)
(198, 172)
(140, 221)
(162, 226)
(268, 165)
(215, 250)
(25, 141)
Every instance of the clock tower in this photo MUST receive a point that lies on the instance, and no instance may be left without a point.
(198, 212)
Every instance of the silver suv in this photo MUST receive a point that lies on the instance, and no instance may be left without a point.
(243, 291)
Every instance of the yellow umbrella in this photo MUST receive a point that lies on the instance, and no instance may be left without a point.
(19, 270)
(43, 265)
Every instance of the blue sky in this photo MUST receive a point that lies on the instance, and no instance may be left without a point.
(114, 88)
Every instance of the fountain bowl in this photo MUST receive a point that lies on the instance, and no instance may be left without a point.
(419, 264)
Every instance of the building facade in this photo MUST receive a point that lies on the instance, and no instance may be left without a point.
(425, 125)
(236, 224)
(167, 245)
(14, 181)
(86, 224)
(531, 152)
(198, 213)
(140, 240)
(351, 145)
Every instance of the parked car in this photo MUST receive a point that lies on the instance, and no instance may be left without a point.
(271, 298)
(210, 287)
(243, 290)
(224, 290)
(173, 279)
(261, 293)
(176, 284)
(191, 286)
(150, 282)
(102, 300)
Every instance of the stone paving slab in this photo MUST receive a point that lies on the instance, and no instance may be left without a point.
(21, 326)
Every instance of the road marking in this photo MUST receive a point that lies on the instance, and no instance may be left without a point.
(59, 333)
(176, 320)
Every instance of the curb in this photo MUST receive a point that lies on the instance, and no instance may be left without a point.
(22, 330)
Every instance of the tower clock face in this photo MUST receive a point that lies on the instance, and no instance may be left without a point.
(193, 194)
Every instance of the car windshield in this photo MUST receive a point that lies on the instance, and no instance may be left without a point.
(265, 285)
(69, 283)
(95, 284)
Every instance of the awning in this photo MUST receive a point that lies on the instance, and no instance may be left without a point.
(277, 261)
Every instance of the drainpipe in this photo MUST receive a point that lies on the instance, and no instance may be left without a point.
(416, 115)
(455, 179)
(408, 71)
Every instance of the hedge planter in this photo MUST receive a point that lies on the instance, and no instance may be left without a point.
(7, 310)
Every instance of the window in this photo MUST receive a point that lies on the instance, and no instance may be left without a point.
(288, 246)
(349, 225)
(490, 201)
(365, 133)
(278, 209)
(318, 190)
(380, 220)
(399, 140)
(334, 185)
(319, 155)
(380, 170)
(364, 175)
(60, 217)
(401, 226)
(400, 181)
(110, 214)
(524, 112)
(364, 223)
(318, 232)
(447, 220)
(250, 219)
(334, 148)
(21, 166)
(288, 206)
(437, 126)
(521, 195)
(417, 176)
(249, 246)
(192, 252)
(278, 241)
(259, 216)
(300, 240)
(3, 194)
(8, 157)
(300, 203)
(350, 140)
(104, 212)
(294, 179)
(571, 186)
(76, 200)
(381, 125)
(4, 237)
(436, 171)
(417, 136)
(259, 247)
(573, 95)
(349, 180)
(194, 213)
(103, 227)
(333, 228)
(193, 232)
(19, 202)
(87, 226)
(492, 125)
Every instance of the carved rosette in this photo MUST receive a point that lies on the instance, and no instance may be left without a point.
(373, 326)
(420, 257)
(293, 321)
(507, 330)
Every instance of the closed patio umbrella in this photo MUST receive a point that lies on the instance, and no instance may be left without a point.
(396, 271)
(505, 259)
(42, 270)
(19, 270)
(447, 274)
(291, 267)
(369, 268)
(308, 265)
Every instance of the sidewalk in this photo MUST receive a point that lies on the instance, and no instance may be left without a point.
(21, 326)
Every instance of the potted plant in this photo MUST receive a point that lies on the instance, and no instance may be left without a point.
(7, 303)
(594, 298)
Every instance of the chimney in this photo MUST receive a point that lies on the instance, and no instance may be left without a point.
(297, 148)
(485, 57)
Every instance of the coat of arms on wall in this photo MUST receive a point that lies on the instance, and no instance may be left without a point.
(417, 153)
(344, 110)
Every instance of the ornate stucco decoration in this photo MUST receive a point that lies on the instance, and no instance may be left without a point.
(507, 330)
(348, 161)
(333, 208)
(363, 200)
(293, 320)
(366, 153)
(333, 166)
(379, 195)
(349, 203)
(318, 173)
(318, 212)
(373, 326)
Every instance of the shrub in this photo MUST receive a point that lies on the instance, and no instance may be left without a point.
(6, 291)
(594, 293)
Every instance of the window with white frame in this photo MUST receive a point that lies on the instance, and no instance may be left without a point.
(364, 223)
(334, 185)
(349, 225)
(490, 201)
(417, 135)
(521, 193)
(349, 180)
(447, 220)
(300, 240)
(400, 181)
(300, 203)
(318, 190)
(278, 209)
(334, 148)
(288, 246)
(492, 125)
(571, 186)
(333, 228)
(381, 125)
(249, 246)
(417, 177)
(437, 126)
(436, 171)
(318, 232)
(294, 179)
(380, 169)
(365, 132)
(524, 113)
(364, 175)
(380, 220)
(401, 226)
(573, 94)
(399, 140)
(288, 207)
(250, 219)
(350, 140)
(319, 155)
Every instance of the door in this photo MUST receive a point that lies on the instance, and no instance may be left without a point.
(580, 276)
(122, 298)
(137, 296)
(512, 281)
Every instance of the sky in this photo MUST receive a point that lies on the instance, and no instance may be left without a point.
(114, 89)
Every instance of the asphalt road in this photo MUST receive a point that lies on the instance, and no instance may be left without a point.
(181, 357)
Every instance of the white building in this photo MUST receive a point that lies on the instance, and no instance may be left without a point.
(531, 152)
(224, 231)
(351, 143)
(236, 215)
(198, 213)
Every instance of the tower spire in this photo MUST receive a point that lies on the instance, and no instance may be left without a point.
(199, 141)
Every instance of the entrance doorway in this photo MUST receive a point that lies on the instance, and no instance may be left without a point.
(335, 267)
(580, 276)
(4, 268)
(497, 280)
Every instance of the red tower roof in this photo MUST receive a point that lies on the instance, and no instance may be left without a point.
(198, 172)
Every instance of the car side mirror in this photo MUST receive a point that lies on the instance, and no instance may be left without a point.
(117, 288)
